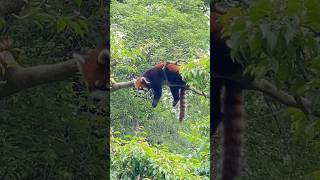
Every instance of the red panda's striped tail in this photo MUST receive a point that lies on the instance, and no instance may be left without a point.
(183, 104)
(233, 131)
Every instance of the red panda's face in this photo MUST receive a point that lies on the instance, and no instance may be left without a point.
(94, 71)
(142, 83)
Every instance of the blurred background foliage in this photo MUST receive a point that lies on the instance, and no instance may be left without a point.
(52, 131)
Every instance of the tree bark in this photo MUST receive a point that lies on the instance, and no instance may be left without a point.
(121, 85)
(19, 78)
(281, 96)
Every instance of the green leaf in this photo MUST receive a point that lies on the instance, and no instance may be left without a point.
(283, 72)
(294, 6)
(265, 29)
(313, 14)
(238, 26)
(260, 10)
(2, 22)
(77, 28)
(83, 24)
(61, 24)
(315, 63)
(295, 113)
(270, 36)
(289, 34)
(316, 175)
(316, 146)
(236, 41)
(255, 42)
(231, 13)
(78, 2)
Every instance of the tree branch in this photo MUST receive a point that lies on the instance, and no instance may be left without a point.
(20, 78)
(281, 96)
(198, 92)
(271, 90)
(121, 85)
(128, 84)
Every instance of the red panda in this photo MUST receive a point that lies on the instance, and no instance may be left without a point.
(232, 105)
(94, 69)
(154, 79)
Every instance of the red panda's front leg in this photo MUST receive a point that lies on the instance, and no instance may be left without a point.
(157, 90)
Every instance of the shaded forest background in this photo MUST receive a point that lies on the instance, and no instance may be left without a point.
(53, 131)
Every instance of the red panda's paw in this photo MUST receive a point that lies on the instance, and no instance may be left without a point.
(175, 102)
(155, 103)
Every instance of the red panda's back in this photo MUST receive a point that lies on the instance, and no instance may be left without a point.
(170, 66)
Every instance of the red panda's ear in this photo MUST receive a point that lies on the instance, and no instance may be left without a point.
(103, 56)
(143, 79)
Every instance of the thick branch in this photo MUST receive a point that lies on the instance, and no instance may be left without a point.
(196, 91)
(271, 90)
(19, 78)
(129, 84)
(10, 6)
(121, 85)
(281, 96)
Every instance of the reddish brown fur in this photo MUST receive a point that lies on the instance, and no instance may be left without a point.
(214, 15)
(233, 104)
(139, 84)
(214, 23)
(156, 75)
(183, 104)
(170, 66)
(215, 27)
(233, 126)
(94, 74)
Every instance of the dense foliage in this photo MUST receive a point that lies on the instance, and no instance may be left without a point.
(44, 133)
(279, 41)
(135, 157)
(150, 142)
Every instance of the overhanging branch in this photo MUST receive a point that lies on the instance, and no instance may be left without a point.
(271, 90)
(19, 78)
(281, 96)
(128, 84)
(121, 85)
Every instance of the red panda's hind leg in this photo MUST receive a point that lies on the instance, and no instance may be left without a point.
(175, 95)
